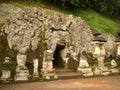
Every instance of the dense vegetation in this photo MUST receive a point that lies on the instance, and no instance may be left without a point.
(106, 7)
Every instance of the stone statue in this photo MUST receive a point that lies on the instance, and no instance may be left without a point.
(47, 60)
(84, 68)
(6, 73)
(35, 70)
(83, 62)
(113, 63)
(114, 68)
(21, 60)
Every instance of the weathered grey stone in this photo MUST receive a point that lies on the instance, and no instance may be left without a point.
(102, 71)
(6, 74)
(105, 73)
(7, 10)
(21, 75)
(21, 60)
(83, 63)
(35, 70)
(110, 45)
(115, 70)
(113, 63)
(23, 30)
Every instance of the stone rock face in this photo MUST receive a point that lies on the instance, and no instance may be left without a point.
(23, 31)
(110, 45)
(24, 27)
(81, 36)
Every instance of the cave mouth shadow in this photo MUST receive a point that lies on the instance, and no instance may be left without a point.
(58, 61)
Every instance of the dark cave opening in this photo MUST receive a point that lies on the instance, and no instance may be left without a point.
(58, 61)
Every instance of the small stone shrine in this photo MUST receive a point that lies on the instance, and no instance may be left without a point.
(99, 54)
(6, 72)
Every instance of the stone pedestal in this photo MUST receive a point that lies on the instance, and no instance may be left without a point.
(22, 73)
(114, 70)
(6, 74)
(101, 61)
(85, 71)
(50, 74)
(35, 70)
(102, 71)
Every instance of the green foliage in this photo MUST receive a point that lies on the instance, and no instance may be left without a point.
(106, 7)
(97, 21)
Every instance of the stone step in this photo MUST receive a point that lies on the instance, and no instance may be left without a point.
(67, 73)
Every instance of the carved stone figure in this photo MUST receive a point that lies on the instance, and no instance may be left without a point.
(113, 63)
(83, 62)
(21, 60)
(114, 68)
(84, 68)
(35, 70)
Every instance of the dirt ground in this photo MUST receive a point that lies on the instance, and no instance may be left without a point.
(97, 83)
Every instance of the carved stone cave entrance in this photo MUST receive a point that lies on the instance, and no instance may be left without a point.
(58, 61)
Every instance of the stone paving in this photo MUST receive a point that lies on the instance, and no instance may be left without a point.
(96, 83)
